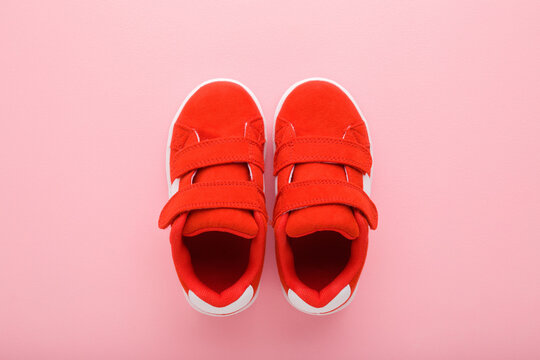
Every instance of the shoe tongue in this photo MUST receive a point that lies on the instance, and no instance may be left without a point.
(338, 218)
(233, 221)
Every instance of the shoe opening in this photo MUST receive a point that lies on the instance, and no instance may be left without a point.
(219, 259)
(320, 257)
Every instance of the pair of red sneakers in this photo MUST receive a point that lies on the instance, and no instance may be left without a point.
(217, 210)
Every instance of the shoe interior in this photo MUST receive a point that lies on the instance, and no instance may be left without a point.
(219, 259)
(320, 257)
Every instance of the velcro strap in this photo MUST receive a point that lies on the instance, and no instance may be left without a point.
(302, 194)
(322, 149)
(244, 195)
(216, 152)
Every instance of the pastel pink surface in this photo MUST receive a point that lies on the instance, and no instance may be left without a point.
(450, 90)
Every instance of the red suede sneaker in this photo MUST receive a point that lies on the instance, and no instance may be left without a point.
(216, 205)
(323, 210)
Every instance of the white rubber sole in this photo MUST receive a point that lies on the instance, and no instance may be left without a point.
(296, 302)
(233, 308)
(238, 305)
(290, 295)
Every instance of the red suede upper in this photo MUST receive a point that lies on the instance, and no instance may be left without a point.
(322, 155)
(216, 152)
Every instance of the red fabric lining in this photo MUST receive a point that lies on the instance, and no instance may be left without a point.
(348, 276)
(218, 258)
(319, 257)
(190, 280)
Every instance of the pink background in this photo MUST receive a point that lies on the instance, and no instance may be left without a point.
(451, 93)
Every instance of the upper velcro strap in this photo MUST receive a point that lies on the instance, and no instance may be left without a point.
(323, 150)
(302, 194)
(216, 152)
(244, 195)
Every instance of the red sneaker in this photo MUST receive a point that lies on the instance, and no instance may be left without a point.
(216, 205)
(323, 210)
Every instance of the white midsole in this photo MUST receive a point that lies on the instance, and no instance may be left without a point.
(169, 182)
(278, 109)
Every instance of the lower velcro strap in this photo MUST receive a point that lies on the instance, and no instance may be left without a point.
(245, 195)
(302, 194)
